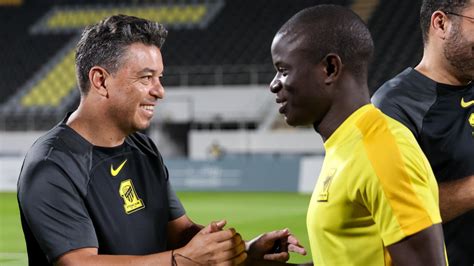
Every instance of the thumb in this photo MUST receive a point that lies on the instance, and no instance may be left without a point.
(220, 224)
(214, 227)
(278, 234)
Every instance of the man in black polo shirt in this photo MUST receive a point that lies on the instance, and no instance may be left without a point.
(94, 191)
(435, 100)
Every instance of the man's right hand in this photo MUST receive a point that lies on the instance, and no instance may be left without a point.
(213, 245)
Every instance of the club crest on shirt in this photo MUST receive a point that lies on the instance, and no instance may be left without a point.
(132, 202)
(323, 195)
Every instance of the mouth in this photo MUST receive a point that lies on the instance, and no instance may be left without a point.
(283, 103)
(148, 108)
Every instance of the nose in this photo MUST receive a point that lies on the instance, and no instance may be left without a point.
(275, 85)
(158, 91)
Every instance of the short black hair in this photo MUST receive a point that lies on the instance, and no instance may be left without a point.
(104, 43)
(428, 7)
(333, 29)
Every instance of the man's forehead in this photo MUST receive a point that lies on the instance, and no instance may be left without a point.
(470, 6)
(289, 41)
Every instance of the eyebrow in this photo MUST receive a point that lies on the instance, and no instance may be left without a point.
(146, 70)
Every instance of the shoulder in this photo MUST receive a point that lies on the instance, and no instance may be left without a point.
(143, 143)
(408, 87)
(57, 156)
(407, 98)
(392, 149)
(383, 135)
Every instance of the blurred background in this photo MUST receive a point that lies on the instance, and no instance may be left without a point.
(229, 153)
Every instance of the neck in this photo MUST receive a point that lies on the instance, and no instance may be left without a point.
(436, 67)
(346, 102)
(91, 125)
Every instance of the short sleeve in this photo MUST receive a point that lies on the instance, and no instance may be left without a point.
(176, 208)
(400, 206)
(400, 191)
(54, 210)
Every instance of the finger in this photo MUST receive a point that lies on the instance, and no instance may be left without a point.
(214, 227)
(296, 249)
(209, 228)
(293, 240)
(237, 260)
(223, 255)
(222, 235)
(282, 256)
(220, 224)
(278, 234)
(233, 242)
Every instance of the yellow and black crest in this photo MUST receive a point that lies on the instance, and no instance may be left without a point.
(132, 202)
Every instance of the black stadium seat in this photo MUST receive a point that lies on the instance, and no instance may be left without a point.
(229, 47)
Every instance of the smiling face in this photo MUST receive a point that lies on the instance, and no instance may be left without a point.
(135, 87)
(299, 82)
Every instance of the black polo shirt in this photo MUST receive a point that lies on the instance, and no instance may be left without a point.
(442, 119)
(75, 195)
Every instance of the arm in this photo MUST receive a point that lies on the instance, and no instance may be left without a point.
(456, 197)
(211, 245)
(422, 248)
(183, 231)
(89, 256)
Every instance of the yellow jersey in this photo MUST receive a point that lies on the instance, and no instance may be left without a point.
(375, 188)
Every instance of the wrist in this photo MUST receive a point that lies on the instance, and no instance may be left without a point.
(181, 258)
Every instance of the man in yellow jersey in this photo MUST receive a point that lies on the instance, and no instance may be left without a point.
(376, 199)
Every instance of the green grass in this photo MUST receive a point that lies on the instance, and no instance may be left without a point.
(250, 213)
(12, 243)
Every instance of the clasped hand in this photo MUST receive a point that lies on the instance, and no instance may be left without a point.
(214, 245)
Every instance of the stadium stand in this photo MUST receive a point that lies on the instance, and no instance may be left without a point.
(211, 43)
(397, 35)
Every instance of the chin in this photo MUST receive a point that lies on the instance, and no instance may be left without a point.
(294, 122)
(141, 127)
(291, 123)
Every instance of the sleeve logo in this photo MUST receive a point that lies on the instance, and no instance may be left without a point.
(132, 202)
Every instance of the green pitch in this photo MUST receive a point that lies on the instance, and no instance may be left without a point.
(250, 213)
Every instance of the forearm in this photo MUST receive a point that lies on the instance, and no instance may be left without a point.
(456, 197)
(181, 239)
(79, 258)
(181, 231)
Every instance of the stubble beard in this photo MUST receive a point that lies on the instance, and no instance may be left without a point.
(460, 53)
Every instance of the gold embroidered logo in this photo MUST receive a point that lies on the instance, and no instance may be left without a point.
(324, 193)
(466, 104)
(132, 202)
(115, 172)
(471, 120)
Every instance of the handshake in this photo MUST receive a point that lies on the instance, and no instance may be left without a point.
(214, 245)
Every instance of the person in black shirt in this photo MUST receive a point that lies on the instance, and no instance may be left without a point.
(435, 100)
(95, 191)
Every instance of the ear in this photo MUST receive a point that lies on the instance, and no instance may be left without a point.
(97, 78)
(332, 67)
(439, 24)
